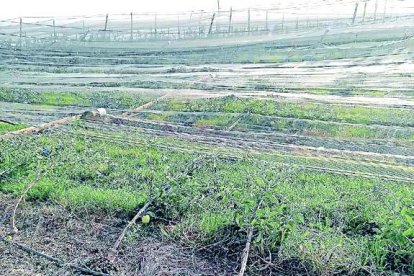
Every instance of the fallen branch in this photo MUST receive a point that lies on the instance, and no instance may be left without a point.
(42, 127)
(132, 222)
(55, 260)
(7, 122)
(234, 124)
(141, 107)
(246, 252)
(25, 192)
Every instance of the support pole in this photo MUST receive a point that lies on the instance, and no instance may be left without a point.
(20, 33)
(106, 26)
(248, 21)
(385, 11)
(211, 24)
(283, 22)
(106, 22)
(155, 26)
(131, 31)
(54, 31)
(355, 12)
(178, 27)
(199, 24)
(376, 9)
(267, 21)
(230, 17)
(365, 11)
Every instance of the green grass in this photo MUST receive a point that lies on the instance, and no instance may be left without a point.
(338, 113)
(301, 215)
(118, 100)
(5, 127)
(293, 126)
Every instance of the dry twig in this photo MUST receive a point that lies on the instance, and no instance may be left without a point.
(55, 260)
(132, 222)
(23, 195)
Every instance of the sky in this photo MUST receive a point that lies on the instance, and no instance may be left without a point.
(22, 8)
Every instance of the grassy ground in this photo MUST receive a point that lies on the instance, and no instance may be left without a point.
(118, 100)
(298, 215)
(324, 112)
(5, 127)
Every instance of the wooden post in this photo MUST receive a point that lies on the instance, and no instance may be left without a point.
(365, 11)
(199, 23)
(231, 15)
(106, 26)
(106, 22)
(20, 33)
(155, 26)
(190, 29)
(54, 31)
(131, 31)
(355, 12)
(267, 21)
(178, 27)
(375, 11)
(211, 24)
(248, 21)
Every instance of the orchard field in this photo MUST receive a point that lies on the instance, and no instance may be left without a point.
(300, 146)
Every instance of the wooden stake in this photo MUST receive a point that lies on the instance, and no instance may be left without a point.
(20, 33)
(355, 12)
(106, 22)
(155, 26)
(178, 27)
(211, 24)
(54, 30)
(385, 11)
(248, 21)
(365, 11)
(230, 17)
(131, 32)
(106, 26)
(376, 9)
